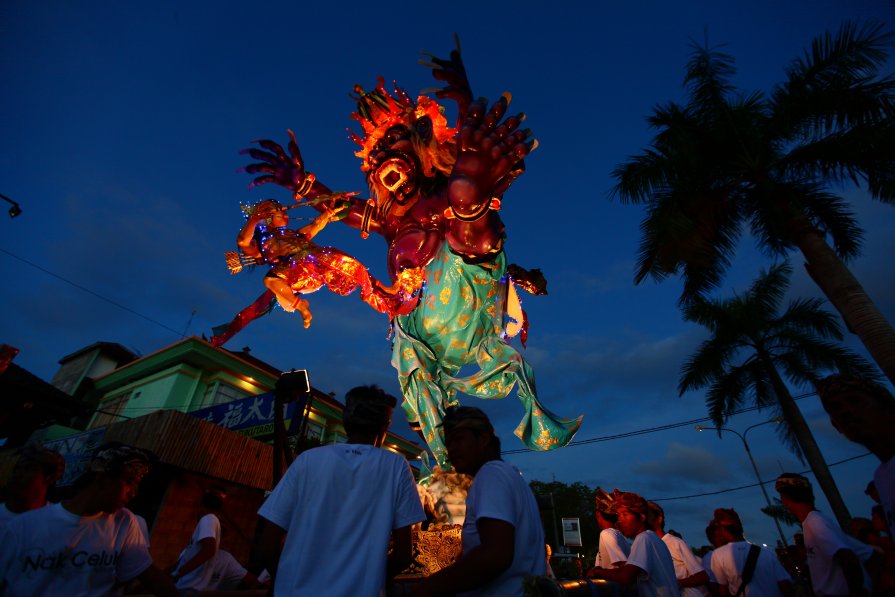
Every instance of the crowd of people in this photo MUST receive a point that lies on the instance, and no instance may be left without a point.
(858, 562)
(340, 522)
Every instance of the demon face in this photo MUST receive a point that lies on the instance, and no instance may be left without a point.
(404, 143)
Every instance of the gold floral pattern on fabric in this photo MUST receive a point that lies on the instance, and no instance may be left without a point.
(461, 321)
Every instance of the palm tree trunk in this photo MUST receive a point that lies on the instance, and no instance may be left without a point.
(846, 294)
(800, 429)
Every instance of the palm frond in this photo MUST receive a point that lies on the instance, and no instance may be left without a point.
(832, 215)
(768, 289)
(641, 177)
(696, 233)
(708, 363)
(831, 86)
(769, 206)
(708, 77)
(778, 511)
(862, 154)
(762, 389)
(808, 317)
(727, 394)
(788, 438)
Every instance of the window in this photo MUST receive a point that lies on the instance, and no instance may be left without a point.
(314, 431)
(109, 411)
(221, 393)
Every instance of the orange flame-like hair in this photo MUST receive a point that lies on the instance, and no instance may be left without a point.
(378, 111)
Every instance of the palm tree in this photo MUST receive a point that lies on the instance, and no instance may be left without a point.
(778, 512)
(728, 159)
(753, 347)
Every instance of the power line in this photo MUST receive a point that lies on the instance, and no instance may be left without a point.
(606, 438)
(97, 295)
(805, 472)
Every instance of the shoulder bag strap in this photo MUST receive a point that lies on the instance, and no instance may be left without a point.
(749, 568)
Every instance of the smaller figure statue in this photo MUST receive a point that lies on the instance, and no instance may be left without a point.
(300, 266)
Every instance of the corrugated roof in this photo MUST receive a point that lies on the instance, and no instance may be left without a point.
(189, 443)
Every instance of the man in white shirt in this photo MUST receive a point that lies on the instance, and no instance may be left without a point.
(503, 540)
(229, 574)
(649, 565)
(834, 561)
(691, 577)
(195, 565)
(340, 505)
(34, 473)
(864, 412)
(613, 547)
(729, 558)
(87, 545)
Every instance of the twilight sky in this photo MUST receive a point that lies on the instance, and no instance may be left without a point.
(121, 125)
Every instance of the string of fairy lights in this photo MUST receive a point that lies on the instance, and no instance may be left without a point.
(574, 443)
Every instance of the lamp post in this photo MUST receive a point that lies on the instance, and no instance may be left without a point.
(15, 210)
(742, 437)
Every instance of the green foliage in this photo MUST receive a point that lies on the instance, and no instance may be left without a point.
(559, 500)
(751, 342)
(779, 512)
(728, 159)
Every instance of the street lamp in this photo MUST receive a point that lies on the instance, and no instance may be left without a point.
(15, 209)
(742, 437)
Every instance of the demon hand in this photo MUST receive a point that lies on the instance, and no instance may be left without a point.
(278, 167)
(489, 157)
(453, 73)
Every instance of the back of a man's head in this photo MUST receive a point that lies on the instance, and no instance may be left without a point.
(474, 419)
(861, 410)
(48, 462)
(655, 517)
(368, 410)
(114, 459)
(729, 520)
(840, 384)
(795, 487)
(604, 505)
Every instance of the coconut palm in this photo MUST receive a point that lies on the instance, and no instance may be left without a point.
(753, 347)
(728, 159)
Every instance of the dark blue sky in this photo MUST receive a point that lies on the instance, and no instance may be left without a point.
(121, 125)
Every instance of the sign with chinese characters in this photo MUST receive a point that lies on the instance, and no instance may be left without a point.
(77, 451)
(252, 416)
(571, 532)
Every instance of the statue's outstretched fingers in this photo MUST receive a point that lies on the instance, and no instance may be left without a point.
(294, 151)
(498, 109)
(274, 147)
(267, 178)
(257, 154)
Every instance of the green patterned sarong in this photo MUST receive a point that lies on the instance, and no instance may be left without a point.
(459, 321)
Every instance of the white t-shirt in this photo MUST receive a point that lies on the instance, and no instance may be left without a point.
(727, 565)
(339, 505)
(823, 538)
(500, 492)
(199, 578)
(6, 514)
(613, 549)
(884, 479)
(227, 573)
(651, 555)
(686, 564)
(143, 526)
(707, 565)
(51, 551)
